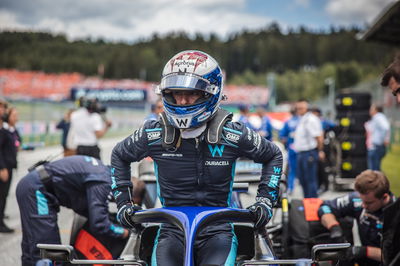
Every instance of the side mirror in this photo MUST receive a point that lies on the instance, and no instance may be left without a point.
(59, 253)
(324, 252)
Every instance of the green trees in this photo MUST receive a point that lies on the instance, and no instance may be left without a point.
(301, 58)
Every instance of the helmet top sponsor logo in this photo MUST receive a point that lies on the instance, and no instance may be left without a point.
(190, 59)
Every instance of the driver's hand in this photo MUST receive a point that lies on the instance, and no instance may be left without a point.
(262, 212)
(125, 213)
(336, 234)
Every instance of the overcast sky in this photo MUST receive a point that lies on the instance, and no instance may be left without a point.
(129, 20)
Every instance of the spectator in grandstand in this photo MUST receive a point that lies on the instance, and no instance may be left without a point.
(391, 78)
(308, 143)
(80, 183)
(64, 125)
(378, 136)
(286, 135)
(7, 163)
(87, 126)
(265, 130)
(156, 109)
(366, 205)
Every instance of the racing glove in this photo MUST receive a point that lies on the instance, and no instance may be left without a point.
(125, 213)
(262, 211)
(356, 252)
(336, 234)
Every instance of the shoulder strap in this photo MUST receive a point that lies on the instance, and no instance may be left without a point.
(170, 135)
(215, 125)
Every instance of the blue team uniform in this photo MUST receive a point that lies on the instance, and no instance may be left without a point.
(80, 183)
(287, 133)
(266, 128)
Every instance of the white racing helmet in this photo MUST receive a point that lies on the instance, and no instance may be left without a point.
(191, 70)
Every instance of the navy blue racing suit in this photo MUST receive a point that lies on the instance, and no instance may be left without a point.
(196, 174)
(80, 183)
(369, 224)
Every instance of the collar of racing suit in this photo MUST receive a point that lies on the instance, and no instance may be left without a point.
(172, 136)
(192, 133)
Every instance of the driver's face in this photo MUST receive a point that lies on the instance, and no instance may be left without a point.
(186, 97)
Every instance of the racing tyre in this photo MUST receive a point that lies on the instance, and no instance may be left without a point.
(353, 101)
(352, 122)
(353, 145)
(353, 166)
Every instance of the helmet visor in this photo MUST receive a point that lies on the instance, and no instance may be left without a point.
(187, 81)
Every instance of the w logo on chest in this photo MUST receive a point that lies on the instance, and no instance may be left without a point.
(216, 149)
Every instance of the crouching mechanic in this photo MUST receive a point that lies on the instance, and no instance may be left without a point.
(194, 146)
(80, 183)
(366, 206)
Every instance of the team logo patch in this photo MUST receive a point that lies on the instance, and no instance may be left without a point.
(216, 163)
(343, 201)
(153, 135)
(183, 122)
(232, 137)
(216, 150)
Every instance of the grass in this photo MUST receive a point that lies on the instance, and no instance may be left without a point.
(391, 167)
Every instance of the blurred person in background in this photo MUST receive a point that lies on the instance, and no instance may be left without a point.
(87, 127)
(80, 183)
(391, 78)
(309, 144)
(64, 125)
(327, 125)
(7, 163)
(378, 136)
(265, 130)
(366, 205)
(244, 115)
(286, 135)
(156, 109)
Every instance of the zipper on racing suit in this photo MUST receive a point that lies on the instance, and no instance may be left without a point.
(197, 155)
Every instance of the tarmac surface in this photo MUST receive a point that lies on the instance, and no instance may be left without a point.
(10, 249)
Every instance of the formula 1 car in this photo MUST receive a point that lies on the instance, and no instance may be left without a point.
(254, 248)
